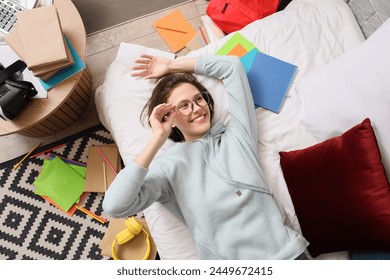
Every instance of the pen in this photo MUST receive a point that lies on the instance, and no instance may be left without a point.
(171, 29)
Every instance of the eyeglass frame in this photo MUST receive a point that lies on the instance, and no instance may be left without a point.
(205, 96)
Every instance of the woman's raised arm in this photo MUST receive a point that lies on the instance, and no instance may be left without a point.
(154, 67)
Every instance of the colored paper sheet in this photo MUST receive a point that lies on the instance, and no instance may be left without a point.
(238, 50)
(176, 31)
(232, 42)
(72, 209)
(247, 59)
(79, 168)
(60, 182)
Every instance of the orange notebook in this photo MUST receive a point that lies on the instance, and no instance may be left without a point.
(176, 31)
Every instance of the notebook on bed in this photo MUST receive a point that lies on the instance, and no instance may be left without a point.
(269, 78)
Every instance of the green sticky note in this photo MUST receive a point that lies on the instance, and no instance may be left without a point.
(60, 182)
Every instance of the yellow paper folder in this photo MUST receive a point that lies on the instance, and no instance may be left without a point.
(176, 31)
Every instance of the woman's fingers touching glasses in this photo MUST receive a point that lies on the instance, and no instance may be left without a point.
(164, 112)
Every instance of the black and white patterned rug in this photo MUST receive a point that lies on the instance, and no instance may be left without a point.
(33, 229)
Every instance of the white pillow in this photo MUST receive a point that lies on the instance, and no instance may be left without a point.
(354, 86)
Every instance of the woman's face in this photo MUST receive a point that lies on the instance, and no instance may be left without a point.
(197, 123)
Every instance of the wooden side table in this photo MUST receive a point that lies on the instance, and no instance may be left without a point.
(66, 101)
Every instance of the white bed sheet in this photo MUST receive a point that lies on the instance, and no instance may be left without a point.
(309, 34)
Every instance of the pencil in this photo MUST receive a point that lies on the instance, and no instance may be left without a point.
(203, 36)
(106, 160)
(91, 214)
(104, 176)
(48, 150)
(171, 29)
(26, 156)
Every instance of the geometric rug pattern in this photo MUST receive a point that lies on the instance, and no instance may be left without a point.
(33, 229)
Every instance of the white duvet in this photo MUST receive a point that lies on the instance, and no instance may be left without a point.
(308, 33)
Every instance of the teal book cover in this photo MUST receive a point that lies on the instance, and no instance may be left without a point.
(270, 80)
(67, 72)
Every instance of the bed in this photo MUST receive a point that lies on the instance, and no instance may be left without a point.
(328, 41)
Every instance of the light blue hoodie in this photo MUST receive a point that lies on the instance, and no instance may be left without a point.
(216, 182)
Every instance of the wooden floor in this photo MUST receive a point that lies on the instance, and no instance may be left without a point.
(101, 50)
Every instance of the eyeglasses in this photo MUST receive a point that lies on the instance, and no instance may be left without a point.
(186, 107)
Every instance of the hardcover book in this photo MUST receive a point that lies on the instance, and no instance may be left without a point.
(41, 35)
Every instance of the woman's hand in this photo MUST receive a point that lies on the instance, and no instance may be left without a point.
(161, 120)
(151, 67)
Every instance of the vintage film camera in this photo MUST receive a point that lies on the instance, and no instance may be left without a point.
(14, 92)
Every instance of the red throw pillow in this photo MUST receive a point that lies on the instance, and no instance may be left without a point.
(340, 192)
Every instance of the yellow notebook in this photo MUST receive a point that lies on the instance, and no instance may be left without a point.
(176, 31)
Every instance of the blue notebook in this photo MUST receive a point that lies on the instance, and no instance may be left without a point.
(67, 72)
(269, 78)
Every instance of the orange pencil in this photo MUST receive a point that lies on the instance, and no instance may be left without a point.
(91, 214)
(26, 156)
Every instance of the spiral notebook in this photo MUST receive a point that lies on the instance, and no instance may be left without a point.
(270, 79)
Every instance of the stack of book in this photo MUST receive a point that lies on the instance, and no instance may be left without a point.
(38, 39)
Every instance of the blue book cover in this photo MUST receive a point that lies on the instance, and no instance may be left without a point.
(270, 80)
(67, 72)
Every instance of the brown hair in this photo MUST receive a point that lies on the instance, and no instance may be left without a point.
(163, 90)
